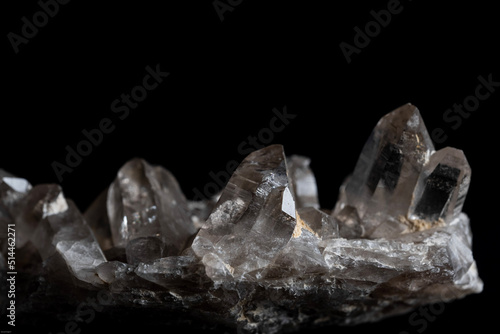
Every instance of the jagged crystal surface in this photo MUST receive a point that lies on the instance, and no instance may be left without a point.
(48, 222)
(262, 256)
(147, 211)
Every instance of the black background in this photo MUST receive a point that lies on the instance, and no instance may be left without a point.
(225, 79)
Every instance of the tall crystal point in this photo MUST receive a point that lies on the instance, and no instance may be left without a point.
(253, 219)
(388, 167)
(146, 202)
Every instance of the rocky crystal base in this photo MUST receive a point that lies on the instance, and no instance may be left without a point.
(263, 257)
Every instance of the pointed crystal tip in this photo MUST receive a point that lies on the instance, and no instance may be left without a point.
(442, 186)
(399, 174)
(146, 202)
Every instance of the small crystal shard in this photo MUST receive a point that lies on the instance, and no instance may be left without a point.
(322, 224)
(303, 182)
(12, 190)
(350, 224)
(144, 249)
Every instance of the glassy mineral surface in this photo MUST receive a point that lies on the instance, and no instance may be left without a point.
(263, 257)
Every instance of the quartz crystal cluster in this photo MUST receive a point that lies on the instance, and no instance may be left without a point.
(263, 256)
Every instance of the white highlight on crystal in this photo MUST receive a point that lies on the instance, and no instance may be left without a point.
(55, 207)
(307, 186)
(18, 184)
(288, 204)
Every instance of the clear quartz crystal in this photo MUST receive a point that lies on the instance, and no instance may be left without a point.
(262, 256)
(131, 204)
(442, 186)
(45, 219)
(388, 166)
(248, 226)
(146, 202)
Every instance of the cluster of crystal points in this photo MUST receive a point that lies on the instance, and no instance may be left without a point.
(263, 257)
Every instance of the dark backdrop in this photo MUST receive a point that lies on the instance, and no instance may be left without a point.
(229, 68)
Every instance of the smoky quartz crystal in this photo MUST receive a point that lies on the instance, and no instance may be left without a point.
(263, 256)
